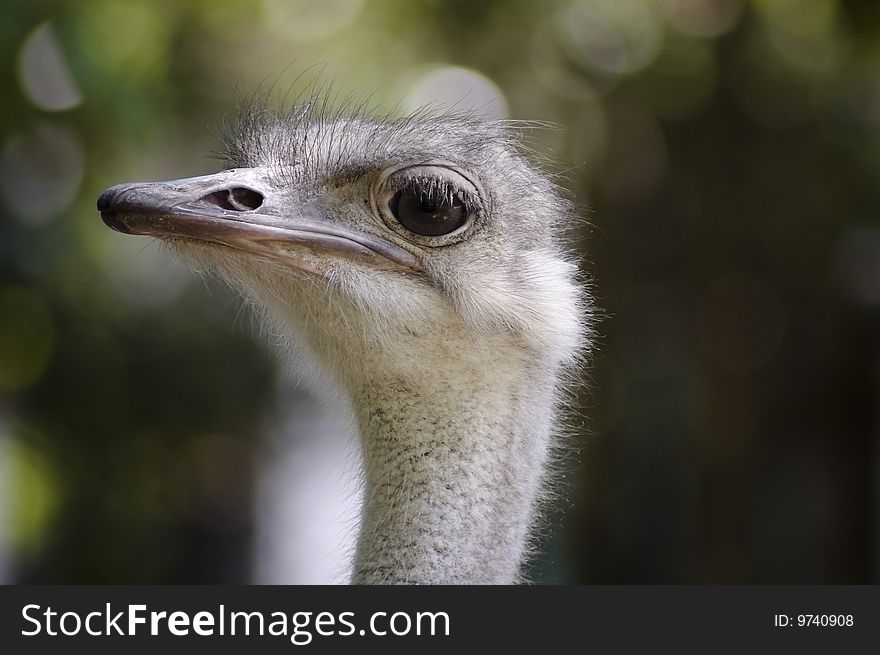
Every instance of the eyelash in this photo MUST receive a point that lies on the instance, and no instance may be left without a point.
(435, 188)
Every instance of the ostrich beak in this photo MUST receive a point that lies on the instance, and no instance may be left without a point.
(235, 208)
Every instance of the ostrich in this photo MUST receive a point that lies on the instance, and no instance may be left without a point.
(415, 266)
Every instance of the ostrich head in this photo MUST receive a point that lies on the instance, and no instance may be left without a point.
(417, 266)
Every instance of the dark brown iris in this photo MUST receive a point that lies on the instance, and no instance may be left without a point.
(428, 214)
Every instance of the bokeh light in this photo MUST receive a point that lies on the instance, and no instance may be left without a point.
(612, 37)
(34, 500)
(456, 89)
(44, 74)
(41, 171)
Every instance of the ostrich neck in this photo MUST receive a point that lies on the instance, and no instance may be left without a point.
(453, 462)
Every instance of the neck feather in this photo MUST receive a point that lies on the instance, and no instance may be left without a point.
(453, 463)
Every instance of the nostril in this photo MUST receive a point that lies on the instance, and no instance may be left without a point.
(239, 199)
(245, 198)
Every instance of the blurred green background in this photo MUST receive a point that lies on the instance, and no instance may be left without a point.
(727, 153)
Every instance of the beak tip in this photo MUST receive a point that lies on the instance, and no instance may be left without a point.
(113, 198)
(104, 201)
(108, 204)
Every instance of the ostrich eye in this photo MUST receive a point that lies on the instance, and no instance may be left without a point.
(428, 212)
(432, 204)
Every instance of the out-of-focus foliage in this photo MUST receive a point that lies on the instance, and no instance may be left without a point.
(727, 154)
